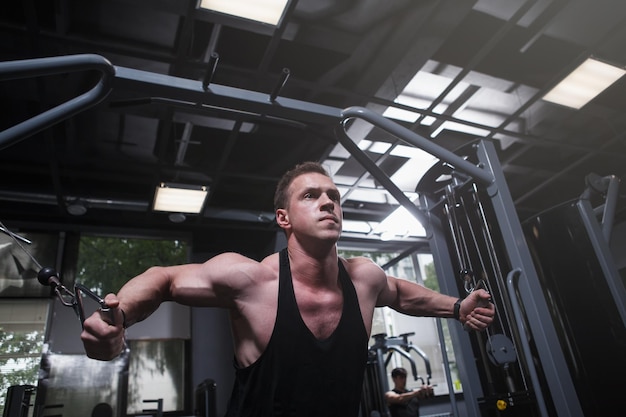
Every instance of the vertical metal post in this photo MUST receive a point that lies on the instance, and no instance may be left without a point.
(529, 290)
(468, 372)
(446, 367)
(600, 244)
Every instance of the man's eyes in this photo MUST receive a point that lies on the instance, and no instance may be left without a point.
(332, 196)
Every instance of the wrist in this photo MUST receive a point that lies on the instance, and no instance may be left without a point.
(124, 324)
(456, 311)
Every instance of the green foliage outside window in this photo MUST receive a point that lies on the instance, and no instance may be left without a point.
(105, 264)
(430, 278)
(19, 359)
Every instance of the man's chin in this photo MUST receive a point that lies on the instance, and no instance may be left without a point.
(330, 235)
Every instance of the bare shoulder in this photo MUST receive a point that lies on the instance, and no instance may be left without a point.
(360, 262)
(363, 269)
(237, 260)
(238, 271)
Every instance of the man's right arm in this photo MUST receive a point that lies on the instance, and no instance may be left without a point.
(393, 397)
(214, 283)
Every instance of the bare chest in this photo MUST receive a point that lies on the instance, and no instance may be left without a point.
(320, 310)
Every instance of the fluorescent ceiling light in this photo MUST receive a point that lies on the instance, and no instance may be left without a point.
(178, 198)
(265, 11)
(584, 83)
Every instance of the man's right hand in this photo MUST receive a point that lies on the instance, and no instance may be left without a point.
(102, 339)
(426, 391)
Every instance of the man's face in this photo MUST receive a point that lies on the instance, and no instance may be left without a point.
(400, 381)
(313, 208)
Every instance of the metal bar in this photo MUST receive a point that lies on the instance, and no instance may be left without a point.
(466, 361)
(406, 356)
(284, 76)
(244, 101)
(603, 253)
(511, 281)
(446, 368)
(210, 71)
(377, 173)
(48, 66)
(610, 202)
(408, 136)
(382, 370)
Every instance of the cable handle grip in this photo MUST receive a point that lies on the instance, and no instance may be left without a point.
(80, 289)
(49, 277)
(482, 284)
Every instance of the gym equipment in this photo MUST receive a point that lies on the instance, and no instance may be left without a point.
(472, 226)
(401, 345)
(18, 401)
(206, 401)
(48, 276)
(376, 382)
(158, 411)
(570, 245)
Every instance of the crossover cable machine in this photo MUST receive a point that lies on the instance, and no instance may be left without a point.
(475, 239)
(474, 234)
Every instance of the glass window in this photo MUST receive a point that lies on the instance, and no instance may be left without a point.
(106, 263)
(76, 384)
(157, 371)
(22, 326)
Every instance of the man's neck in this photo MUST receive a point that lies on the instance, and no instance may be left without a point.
(318, 267)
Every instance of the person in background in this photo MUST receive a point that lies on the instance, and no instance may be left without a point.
(301, 318)
(403, 402)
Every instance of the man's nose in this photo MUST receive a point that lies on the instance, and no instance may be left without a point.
(327, 202)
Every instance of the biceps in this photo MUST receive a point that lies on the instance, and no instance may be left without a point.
(217, 282)
(406, 296)
(388, 295)
(197, 285)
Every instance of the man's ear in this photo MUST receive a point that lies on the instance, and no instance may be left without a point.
(282, 218)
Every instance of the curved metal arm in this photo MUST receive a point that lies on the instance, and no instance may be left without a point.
(378, 173)
(55, 65)
(416, 140)
(405, 355)
(424, 357)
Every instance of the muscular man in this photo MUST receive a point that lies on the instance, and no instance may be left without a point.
(301, 318)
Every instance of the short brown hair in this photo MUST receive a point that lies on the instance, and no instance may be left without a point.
(281, 196)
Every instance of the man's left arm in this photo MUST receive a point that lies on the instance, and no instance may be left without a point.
(475, 311)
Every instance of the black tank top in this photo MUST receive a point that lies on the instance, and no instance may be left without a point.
(410, 409)
(299, 375)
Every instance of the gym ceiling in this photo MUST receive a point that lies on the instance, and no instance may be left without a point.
(483, 68)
